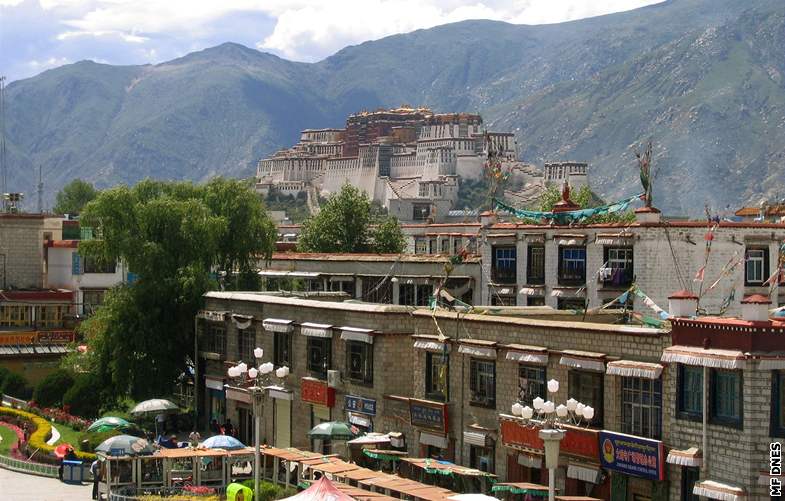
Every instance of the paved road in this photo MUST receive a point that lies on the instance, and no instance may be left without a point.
(20, 487)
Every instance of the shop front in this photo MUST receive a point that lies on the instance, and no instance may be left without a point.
(215, 399)
(430, 419)
(321, 399)
(360, 412)
(636, 466)
(579, 472)
(244, 416)
(282, 416)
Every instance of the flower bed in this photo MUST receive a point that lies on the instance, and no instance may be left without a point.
(61, 417)
(42, 432)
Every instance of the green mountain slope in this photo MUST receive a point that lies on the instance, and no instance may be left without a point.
(703, 78)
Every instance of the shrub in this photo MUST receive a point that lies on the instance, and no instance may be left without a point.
(41, 433)
(3, 373)
(268, 491)
(16, 386)
(49, 392)
(82, 398)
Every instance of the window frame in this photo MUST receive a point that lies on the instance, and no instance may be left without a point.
(504, 274)
(475, 378)
(244, 347)
(431, 392)
(476, 452)
(577, 278)
(406, 294)
(764, 265)
(531, 277)
(97, 267)
(283, 341)
(216, 334)
(325, 346)
(626, 264)
(598, 403)
(714, 417)
(681, 411)
(366, 378)
(528, 396)
(653, 407)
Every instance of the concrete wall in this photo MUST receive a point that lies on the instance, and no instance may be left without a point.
(21, 250)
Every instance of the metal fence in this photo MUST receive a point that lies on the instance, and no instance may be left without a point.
(44, 470)
(130, 493)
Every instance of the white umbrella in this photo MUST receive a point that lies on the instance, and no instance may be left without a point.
(154, 405)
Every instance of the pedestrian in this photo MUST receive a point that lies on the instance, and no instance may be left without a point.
(214, 427)
(95, 470)
(228, 427)
(160, 421)
(194, 438)
(25, 432)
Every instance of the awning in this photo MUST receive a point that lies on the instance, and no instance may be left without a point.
(570, 239)
(292, 274)
(527, 354)
(688, 457)
(371, 438)
(316, 330)
(530, 461)
(535, 238)
(584, 473)
(211, 315)
(242, 321)
(214, 384)
(277, 325)
(569, 292)
(360, 420)
(693, 355)
(356, 334)
(772, 364)
(583, 360)
(238, 395)
(532, 291)
(478, 438)
(430, 343)
(632, 368)
(435, 440)
(477, 351)
(717, 490)
(620, 239)
(280, 393)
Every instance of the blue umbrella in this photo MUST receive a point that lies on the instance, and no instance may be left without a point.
(223, 442)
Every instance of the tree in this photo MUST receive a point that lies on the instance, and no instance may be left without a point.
(388, 237)
(585, 198)
(74, 196)
(173, 236)
(81, 398)
(50, 390)
(342, 224)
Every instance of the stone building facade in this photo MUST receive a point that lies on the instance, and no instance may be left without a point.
(22, 239)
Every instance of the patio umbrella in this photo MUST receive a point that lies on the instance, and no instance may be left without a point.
(124, 445)
(62, 449)
(109, 423)
(222, 442)
(321, 490)
(472, 497)
(333, 430)
(157, 405)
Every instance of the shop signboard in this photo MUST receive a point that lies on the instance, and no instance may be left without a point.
(361, 405)
(55, 337)
(428, 415)
(578, 442)
(638, 456)
(17, 338)
(317, 392)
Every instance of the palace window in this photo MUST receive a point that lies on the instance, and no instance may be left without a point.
(359, 361)
(619, 265)
(216, 338)
(445, 245)
(482, 382)
(531, 383)
(571, 303)
(502, 299)
(641, 407)
(377, 290)
(572, 265)
(586, 387)
(437, 374)
(535, 265)
(420, 212)
(504, 265)
(535, 301)
(282, 349)
(319, 356)
(756, 268)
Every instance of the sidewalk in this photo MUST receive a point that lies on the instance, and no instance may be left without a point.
(21, 487)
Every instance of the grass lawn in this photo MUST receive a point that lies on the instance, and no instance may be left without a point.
(8, 439)
(67, 435)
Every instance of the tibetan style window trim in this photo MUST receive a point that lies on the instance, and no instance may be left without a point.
(583, 360)
(715, 359)
(211, 315)
(434, 440)
(584, 473)
(632, 368)
(534, 355)
(277, 325)
(478, 438)
(242, 321)
(614, 239)
(772, 364)
(691, 457)
(431, 343)
(357, 334)
(717, 490)
(478, 350)
(316, 330)
(570, 240)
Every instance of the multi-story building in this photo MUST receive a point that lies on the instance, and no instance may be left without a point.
(446, 381)
(22, 238)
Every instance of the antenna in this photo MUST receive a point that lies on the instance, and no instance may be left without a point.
(3, 166)
(40, 192)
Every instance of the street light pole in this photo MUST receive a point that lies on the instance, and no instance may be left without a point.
(257, 453)
(551, 440)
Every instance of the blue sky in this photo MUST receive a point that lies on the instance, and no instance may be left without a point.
(36, 35)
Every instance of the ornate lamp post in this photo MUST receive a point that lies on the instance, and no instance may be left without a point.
(550, 419)
(255, 381)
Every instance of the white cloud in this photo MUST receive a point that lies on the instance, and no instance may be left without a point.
(126, 37)
(52, 62)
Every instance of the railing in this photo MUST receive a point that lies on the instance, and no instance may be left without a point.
(131, 493)
(44, 470)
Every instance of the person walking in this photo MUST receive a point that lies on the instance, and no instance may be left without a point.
(95, 470)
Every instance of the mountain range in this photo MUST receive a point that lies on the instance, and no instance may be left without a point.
(703, 79)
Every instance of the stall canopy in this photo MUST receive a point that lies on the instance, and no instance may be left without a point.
(321, 490)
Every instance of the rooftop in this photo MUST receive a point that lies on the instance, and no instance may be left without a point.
(367, 257)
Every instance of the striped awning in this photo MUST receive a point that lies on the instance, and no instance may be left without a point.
(277, 325)
(632, 368)
(478, 438)
(212, 315)
(688, 457)
(536, 355)
(621, 239)
(316, 330)
(439, 441)
(693, 355)
(718, 490)
(477, 350)
(357, 334)
(584, 473)
(532, 291)
(430, 343)
(583, 360)
(772, 364)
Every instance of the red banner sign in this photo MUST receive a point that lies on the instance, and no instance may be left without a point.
(55, 337)
(579, 442)
(317, 392)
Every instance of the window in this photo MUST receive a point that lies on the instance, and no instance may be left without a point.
(482, 382)
(437, 376)
(619, 266)
(481, 458)
(531, 383)
(504, 265)
(689, 476)
(726, 397)
(424, 293)
(445, 245)
(346, 286)
(282, 349)
(571, 303)
(420, 246)
(92, 299)
(420, 212)
(216, 338)
(93, 265)
(778, 404)
(535, 265)
(756, 266)
(12, 315)
(359, 361)
(246, 344)
(572, 265)
(51, 316)
(423, 190)
(641, 407)
(319, 356)
(690, 381)
(456, 245)
(406, 294)
(377, 290)
(535, 301)
(502, 300)
(586, 387)
(433, 247)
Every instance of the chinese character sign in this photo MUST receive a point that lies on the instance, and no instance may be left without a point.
(638, 456)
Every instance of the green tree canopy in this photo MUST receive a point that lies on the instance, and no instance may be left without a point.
(173, 236)
(585, 198)
(74, 196)
(388, 237)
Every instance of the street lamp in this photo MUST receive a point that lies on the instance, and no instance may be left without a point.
(254, 381)
(550, 419)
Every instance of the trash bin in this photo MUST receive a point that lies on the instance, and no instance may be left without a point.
(72, 472)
